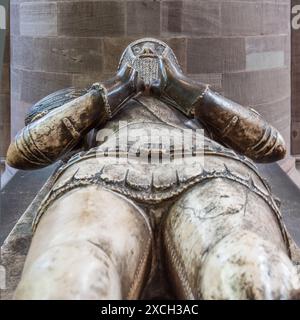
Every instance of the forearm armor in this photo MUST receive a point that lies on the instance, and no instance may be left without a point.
(238, 127)
(49, 138)
(241, 128)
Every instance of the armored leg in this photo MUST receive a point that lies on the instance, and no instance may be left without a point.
(223, 241)
(90, 244)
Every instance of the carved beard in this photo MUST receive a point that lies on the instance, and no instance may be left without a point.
(147, 67)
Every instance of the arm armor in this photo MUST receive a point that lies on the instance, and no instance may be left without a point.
(241, 128)
(238, 127)
(49, 138)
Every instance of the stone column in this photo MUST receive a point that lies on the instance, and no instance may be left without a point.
(241, 47)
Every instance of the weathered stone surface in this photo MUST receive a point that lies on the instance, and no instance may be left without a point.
(266, 43)
(296, 137)
(172, 17)
(18, 107)
(296, 75)
(241, 18)
(143, 18)
(179, 46)
(43, 54)
(254, 18)
(38, 19)
(22, 51)
(257, 87)
(5, 98)
(15, 22)
(15, 248)
(192, 18)
(276, 18)
(80, 80)
(36, 85)
(265, 60)
(278, 113)
(4, 123)
(266, 52)
(215, 55)
(5, 82)
(15, 76)
(6, 55)
(90, 18)
(296, 96)
(112, 49)
(72, 55)
(286, 134)
(295, 57)
(214, 79)
(18, 114)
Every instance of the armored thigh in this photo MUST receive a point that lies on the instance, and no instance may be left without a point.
(90, 243)
(224, 240)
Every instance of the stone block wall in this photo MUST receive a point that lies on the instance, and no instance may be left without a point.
(241, 47)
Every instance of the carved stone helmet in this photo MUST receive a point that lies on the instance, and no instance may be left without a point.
(144, 54)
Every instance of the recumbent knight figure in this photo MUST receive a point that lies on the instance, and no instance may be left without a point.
(206, 221)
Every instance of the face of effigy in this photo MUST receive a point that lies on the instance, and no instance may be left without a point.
(144, 56)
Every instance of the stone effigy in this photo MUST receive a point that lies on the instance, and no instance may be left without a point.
(157, 182)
